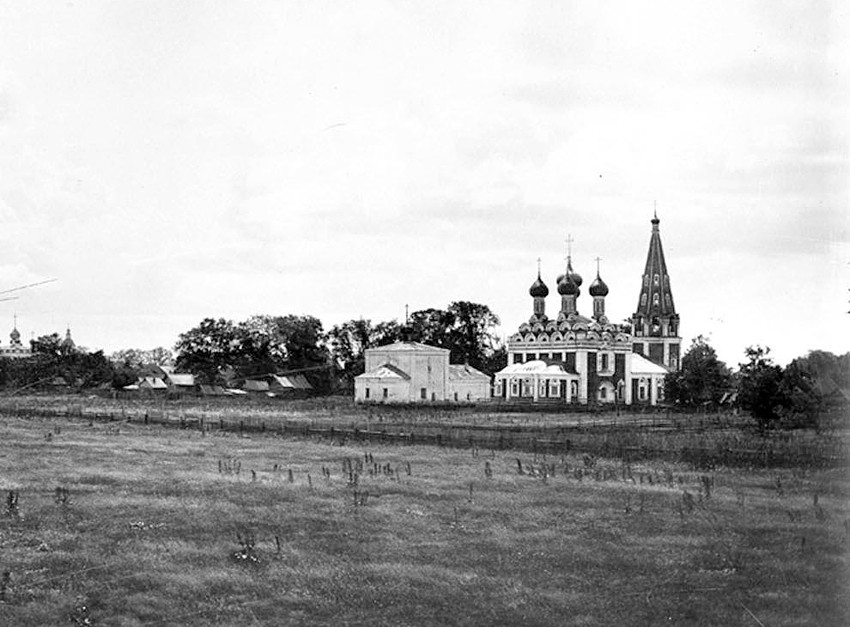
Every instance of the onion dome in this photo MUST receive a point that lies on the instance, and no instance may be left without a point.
(15, 335)
(538, 289)
(575, 275)
(567, 286)
(598, 287)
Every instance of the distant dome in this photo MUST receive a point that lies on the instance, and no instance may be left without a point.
(538, 289)
(15, 335)
(567, 286)
(598, 287)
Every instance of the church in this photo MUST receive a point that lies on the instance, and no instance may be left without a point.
(573, 359)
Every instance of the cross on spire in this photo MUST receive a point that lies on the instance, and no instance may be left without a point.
(598, 259)
(569, 242)
(538, 267)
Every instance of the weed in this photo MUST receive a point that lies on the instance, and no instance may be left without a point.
(13, 509)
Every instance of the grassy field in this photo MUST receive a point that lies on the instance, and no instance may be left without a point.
(127, 524)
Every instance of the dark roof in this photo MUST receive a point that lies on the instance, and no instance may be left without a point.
(655, 266)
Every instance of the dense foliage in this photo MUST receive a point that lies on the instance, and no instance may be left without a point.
(55, 363)
(703, 378)
(216, 349)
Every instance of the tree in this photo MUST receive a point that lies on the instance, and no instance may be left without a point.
(208, 348)
(432, 327)
(472, 335)
(467, 329)
(259, 345)
(760, 382)
(348, 342)
(703, 378)
(810, 384)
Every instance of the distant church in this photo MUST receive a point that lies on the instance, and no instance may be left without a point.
(573, 359)
(16, 348)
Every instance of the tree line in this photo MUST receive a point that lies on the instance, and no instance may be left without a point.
(794, 396)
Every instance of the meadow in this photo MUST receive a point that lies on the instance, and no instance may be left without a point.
(123, 523)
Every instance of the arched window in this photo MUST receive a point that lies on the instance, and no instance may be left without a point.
(655, 299)
(655, 280)
(643, 299)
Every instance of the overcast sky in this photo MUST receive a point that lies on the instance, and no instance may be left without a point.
(170, 161)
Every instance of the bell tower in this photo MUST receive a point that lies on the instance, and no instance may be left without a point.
(655, 323)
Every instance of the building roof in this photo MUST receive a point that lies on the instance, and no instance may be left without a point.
(255, 385)
(407, 347)
(655, 266)
(291, 381)
(385, 371)
(641, 365)
(181, 379)
(152, 383)
(465, 372)
(537, 366)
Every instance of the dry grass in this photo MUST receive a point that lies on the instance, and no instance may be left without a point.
(154, 525)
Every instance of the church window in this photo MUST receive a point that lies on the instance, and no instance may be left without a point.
(423, 394)
(386, 393)
(645, 280)
(517, 358)
(531, 357)
(455, 397)
(368, 391)
(557, 357)
(554, 388)
(514, 388)
(603, 361)
(573, 389)
(542, 391)
(603, 393)
(659, 387)
(643, 299)
(642, 389)
(655, 299)
(655, 280)
(667, 299)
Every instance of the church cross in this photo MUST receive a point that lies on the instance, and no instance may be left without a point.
(538, 266)
(598, 259)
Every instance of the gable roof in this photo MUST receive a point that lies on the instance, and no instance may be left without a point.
(537, 366)
(181, 379)
(465, 372)
(386, 371)
(152, 383)
(641, 365)
(255, 385)
(408, 347)
(291, 381)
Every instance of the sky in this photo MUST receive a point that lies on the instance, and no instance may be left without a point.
(171, 161)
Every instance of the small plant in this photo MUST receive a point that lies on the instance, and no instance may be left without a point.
(12, 508)
(62, 496)
(80, 614)
(5, 585)
(247, 554)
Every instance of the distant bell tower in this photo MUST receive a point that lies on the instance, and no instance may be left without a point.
(656, 323)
